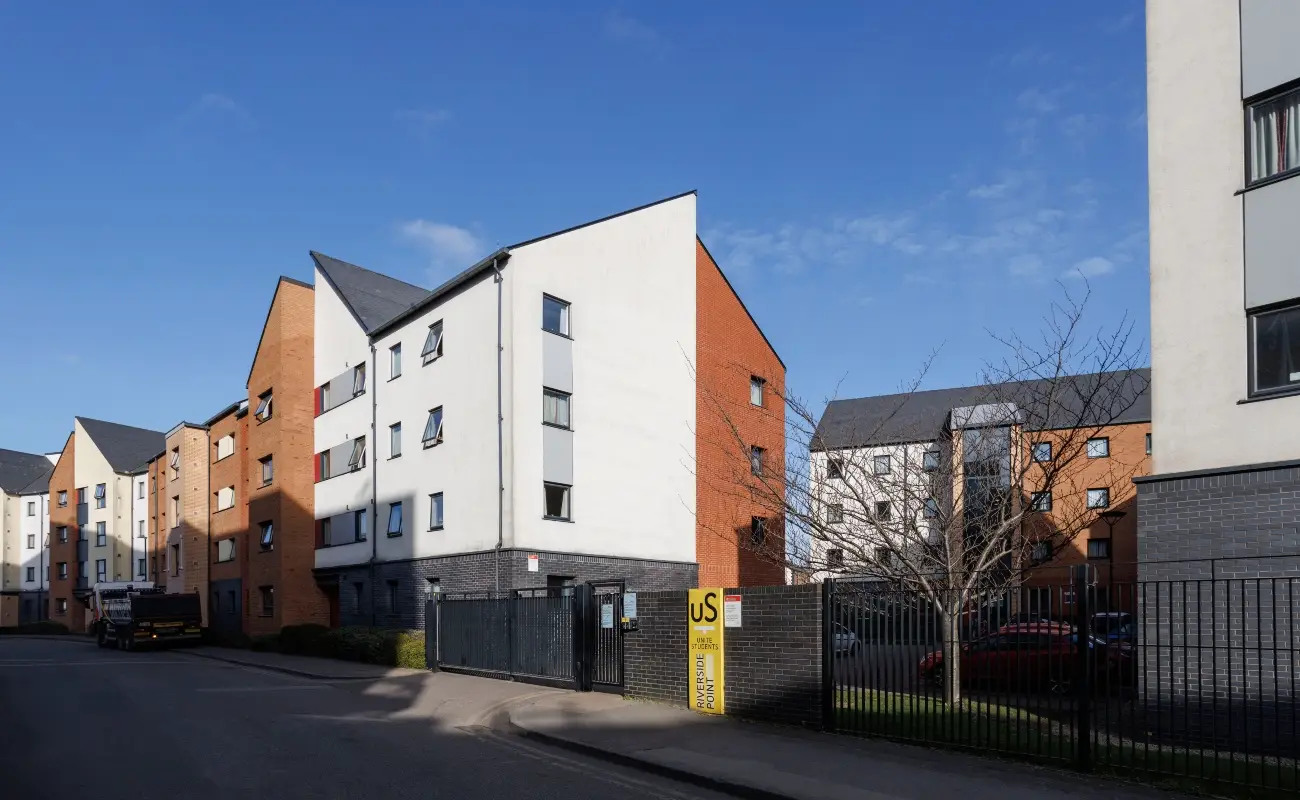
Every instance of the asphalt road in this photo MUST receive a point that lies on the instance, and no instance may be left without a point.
(77, 722)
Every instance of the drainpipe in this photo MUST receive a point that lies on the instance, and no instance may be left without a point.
(374, 480)
(501, 480)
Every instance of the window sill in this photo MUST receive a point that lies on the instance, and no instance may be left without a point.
(395, 377)
(427, 361)
(218, 461)
(1269, 181)
(1260, 397)
(557, 519)
(437, 528)
(219, 510)
(268, 483)
(394, 535)
(224, 561)
(557, 333)
(265, 549)
(430, 445)
(394, 458)
(554, 425)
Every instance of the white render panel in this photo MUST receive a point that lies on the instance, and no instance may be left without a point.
(1269, 57)
(1198, 325)
(557, 455)
(557, 363)
(463, 467)
(1272, 274)
(630, 281)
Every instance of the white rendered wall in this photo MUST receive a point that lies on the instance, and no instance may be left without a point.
(631, 282)
(91, 469)
(1198, 325)
(139, 511)
(340, 344)
(36, 557)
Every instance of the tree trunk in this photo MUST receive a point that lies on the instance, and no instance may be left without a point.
(950, 629)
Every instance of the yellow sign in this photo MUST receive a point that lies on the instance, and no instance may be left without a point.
(704, 637)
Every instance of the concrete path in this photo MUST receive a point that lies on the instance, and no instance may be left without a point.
(301, 666)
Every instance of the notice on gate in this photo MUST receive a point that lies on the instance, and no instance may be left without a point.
(731, 611)
(607, 615)
(704, 635)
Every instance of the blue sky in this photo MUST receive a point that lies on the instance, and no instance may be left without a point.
(877, 179)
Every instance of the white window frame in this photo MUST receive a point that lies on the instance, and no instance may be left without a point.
(224, 544)
(358, 380)
(433, 428)
(554, 398)
(225, 498)
(324, 398)
(174, 462)
(395, 440)
(360, 525)
(395, 507)
(565, 326)
(756, 387)
(395, 361)
(1098, 447)
(268, 469)
(566, 507)
(358, 458)
(325, 463)
(31, 508)
(1256, 134)
(1036, 456)
(756, 460)
(437, 520)
(63, 499)
(881, 459)
(1098, 498)
(264, 410)
(225, 449)
(101, 495)
(432, 350)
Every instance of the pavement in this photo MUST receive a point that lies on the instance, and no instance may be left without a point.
(216, 723)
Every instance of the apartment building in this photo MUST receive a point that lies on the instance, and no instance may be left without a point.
(921, 459)
(24, 505)
(1223, 121)
(95, 511)
(535, 421)
(228, 476)
(179, 508)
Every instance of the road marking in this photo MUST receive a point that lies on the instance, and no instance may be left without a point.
(261, 688)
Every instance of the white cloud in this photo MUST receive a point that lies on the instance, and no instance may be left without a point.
(1081, 127)
(1090, 268)
(1039, 101)
(792, 248)
(213, 105)
(1026, 265)
(621, 28)
(448, 246)
(989, 191)
(1031, 55)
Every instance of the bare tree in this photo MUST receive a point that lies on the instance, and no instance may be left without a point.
(948, 496)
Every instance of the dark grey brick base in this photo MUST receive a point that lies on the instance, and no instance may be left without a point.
(485, 571)
(1219, 605)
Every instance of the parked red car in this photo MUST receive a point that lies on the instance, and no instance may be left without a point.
(1024, 656)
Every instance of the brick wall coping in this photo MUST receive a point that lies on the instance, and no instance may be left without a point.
(1215, 471)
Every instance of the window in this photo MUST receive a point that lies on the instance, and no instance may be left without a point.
(268, 600)
(1098, 498)
(1042, 451)
(323, 399)
(323, 465)
(101, 495)
(834, 468)
(225, 498)
(176, 511)
(63, 570)
(358, 458)
(268, 535)
(555, 408)
(392, 597)
(61, 605)
(433, 428)
(358, 598)
(394, 519)
(1040, 501)
(757, 531)
(263, 412)
(881, 465)
(883, 510)
(101, 570)
(1099, 548)
(324, 528)
(141, 528)
(268, 470)
(101, 534)
(360, 526)
(225, 447)
(153, 564)
(555, 315)
(835, 513)
(31, 541)
(756, 390)
(226, 550)
(835, 558)
(176, 559)
(557, 500)
(63, 499)
(395, 361)
(139, 567)
(174, 462)
(1273, 126)
(395, 440)
(930, 509)
(1041, 552)
(1148, 444)
(63, 533)
(930, 460)
(359, 380)
(1275, 349)
(435, 511)
(31, 574)
(1098, 447)
(432, 343)
(140, 490)
(31, 509)
(81, 496)
(756, 460)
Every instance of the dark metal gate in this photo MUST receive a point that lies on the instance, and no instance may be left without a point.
(607, 658)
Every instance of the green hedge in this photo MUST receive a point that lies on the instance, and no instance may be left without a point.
(383, 646)
(47, 627)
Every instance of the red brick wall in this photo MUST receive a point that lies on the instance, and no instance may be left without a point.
(233, 522)
(284, 365)
(729, 350)
(62, 480)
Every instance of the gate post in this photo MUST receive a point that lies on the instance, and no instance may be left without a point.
(1083, 657)
(828, 655)
(432, 630)
(583, 599)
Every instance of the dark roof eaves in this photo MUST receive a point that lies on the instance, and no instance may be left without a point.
(223, 413)
(743, 307)
(502, 255)
(602, 219)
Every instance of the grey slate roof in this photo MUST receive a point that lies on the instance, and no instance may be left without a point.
(372, 298)
(21, 470)
(126, 448)
(922, 416)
